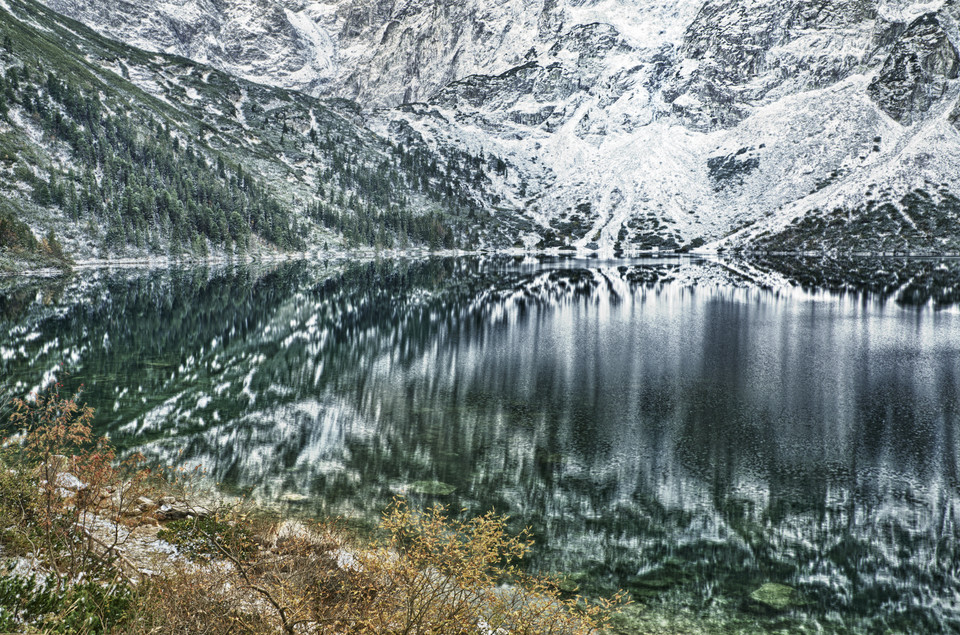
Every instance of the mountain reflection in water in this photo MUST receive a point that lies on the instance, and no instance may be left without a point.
(682, 441)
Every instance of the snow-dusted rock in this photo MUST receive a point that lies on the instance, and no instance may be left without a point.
(69, 482)
(266, 41)
(916, 73)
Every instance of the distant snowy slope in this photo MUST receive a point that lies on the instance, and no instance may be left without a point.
(269, 42)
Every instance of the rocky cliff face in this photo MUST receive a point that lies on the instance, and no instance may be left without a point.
(617, 125)
(278, 43)
(916, 73)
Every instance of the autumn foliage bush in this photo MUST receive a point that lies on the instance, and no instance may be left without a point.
(54, 478)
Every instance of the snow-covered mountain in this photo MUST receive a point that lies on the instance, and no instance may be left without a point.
(272, 42)
(801, 125)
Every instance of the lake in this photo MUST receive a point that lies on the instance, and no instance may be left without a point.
(686, 430)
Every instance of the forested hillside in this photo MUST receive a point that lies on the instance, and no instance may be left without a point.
(106, 150)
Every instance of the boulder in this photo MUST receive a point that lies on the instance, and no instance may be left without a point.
(173, 512)
(180, 510)
(69, 482)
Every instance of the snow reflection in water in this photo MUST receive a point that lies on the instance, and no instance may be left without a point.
(688, 442)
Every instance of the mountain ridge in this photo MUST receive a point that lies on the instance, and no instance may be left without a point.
(612, 128)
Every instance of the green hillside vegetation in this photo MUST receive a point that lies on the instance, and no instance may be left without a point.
(921, 222)
(122, 152)
(18, 245)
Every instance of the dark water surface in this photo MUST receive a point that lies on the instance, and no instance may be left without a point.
(686, 442)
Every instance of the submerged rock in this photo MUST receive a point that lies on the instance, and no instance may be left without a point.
(432, 488)
(778, 597)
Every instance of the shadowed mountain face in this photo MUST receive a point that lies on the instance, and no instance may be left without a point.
(666, 426)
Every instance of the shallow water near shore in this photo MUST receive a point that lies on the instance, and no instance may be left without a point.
(686, 430)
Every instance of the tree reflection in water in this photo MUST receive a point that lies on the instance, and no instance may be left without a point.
(688, 442)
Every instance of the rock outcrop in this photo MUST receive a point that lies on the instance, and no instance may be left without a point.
(916, 73)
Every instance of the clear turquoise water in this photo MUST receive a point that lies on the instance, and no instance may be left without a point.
(687, 443)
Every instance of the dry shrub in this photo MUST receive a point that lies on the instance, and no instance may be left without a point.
(197, 601)
(432, 575)
(232, 580)
(438, 574)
